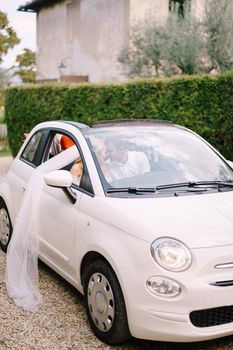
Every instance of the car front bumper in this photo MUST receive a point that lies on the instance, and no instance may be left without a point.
(173, 327)
(168, 318)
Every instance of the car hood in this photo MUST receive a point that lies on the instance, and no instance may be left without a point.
(203, 220)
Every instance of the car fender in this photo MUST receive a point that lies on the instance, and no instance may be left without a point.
(113, 245)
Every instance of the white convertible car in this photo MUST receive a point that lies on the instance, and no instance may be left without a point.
(141, 223)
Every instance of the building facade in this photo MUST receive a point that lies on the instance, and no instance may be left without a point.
(81, 39)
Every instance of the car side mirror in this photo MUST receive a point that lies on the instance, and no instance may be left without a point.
(230, 163)
(61, 179)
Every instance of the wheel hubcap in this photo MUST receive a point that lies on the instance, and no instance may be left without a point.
(101, 302)
(4, 227)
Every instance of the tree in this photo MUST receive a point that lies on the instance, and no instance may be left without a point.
(153, 49)
(26, 66)
(218, 25)
(185, 45)
(142, 54)
(8, 37)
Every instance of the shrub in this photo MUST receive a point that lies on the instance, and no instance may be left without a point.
(202, 103)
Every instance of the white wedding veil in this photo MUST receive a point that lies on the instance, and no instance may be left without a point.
(22, 254)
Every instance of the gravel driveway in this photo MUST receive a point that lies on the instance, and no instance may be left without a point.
(61, 323)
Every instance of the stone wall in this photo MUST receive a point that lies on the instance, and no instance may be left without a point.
(85, 35)
(52, 43)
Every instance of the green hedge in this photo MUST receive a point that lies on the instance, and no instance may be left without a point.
(202, 103)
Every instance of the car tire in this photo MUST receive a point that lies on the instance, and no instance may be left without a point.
(5, 226)
(104, 303)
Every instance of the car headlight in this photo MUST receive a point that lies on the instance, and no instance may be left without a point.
(171, 254)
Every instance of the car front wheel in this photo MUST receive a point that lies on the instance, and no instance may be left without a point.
(5, 226)
(105, 304)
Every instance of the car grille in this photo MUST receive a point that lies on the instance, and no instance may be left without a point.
(212, 317)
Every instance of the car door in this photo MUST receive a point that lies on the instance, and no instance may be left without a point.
(57, 218)
(24, 166)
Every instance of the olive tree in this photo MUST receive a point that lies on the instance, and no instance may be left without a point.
(185, 45)
(155, 49)
(142, 54)
(218, 26)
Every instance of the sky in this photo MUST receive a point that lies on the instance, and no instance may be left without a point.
(25, 26)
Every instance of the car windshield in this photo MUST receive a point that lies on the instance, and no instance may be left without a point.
(149, 156)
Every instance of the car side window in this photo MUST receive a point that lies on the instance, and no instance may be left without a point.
(46, 144)
(77, 168)
(55, 146)
(32, 152)
(59, 143)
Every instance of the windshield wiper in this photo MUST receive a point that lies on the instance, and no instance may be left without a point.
(193, 184)
(131, 189)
